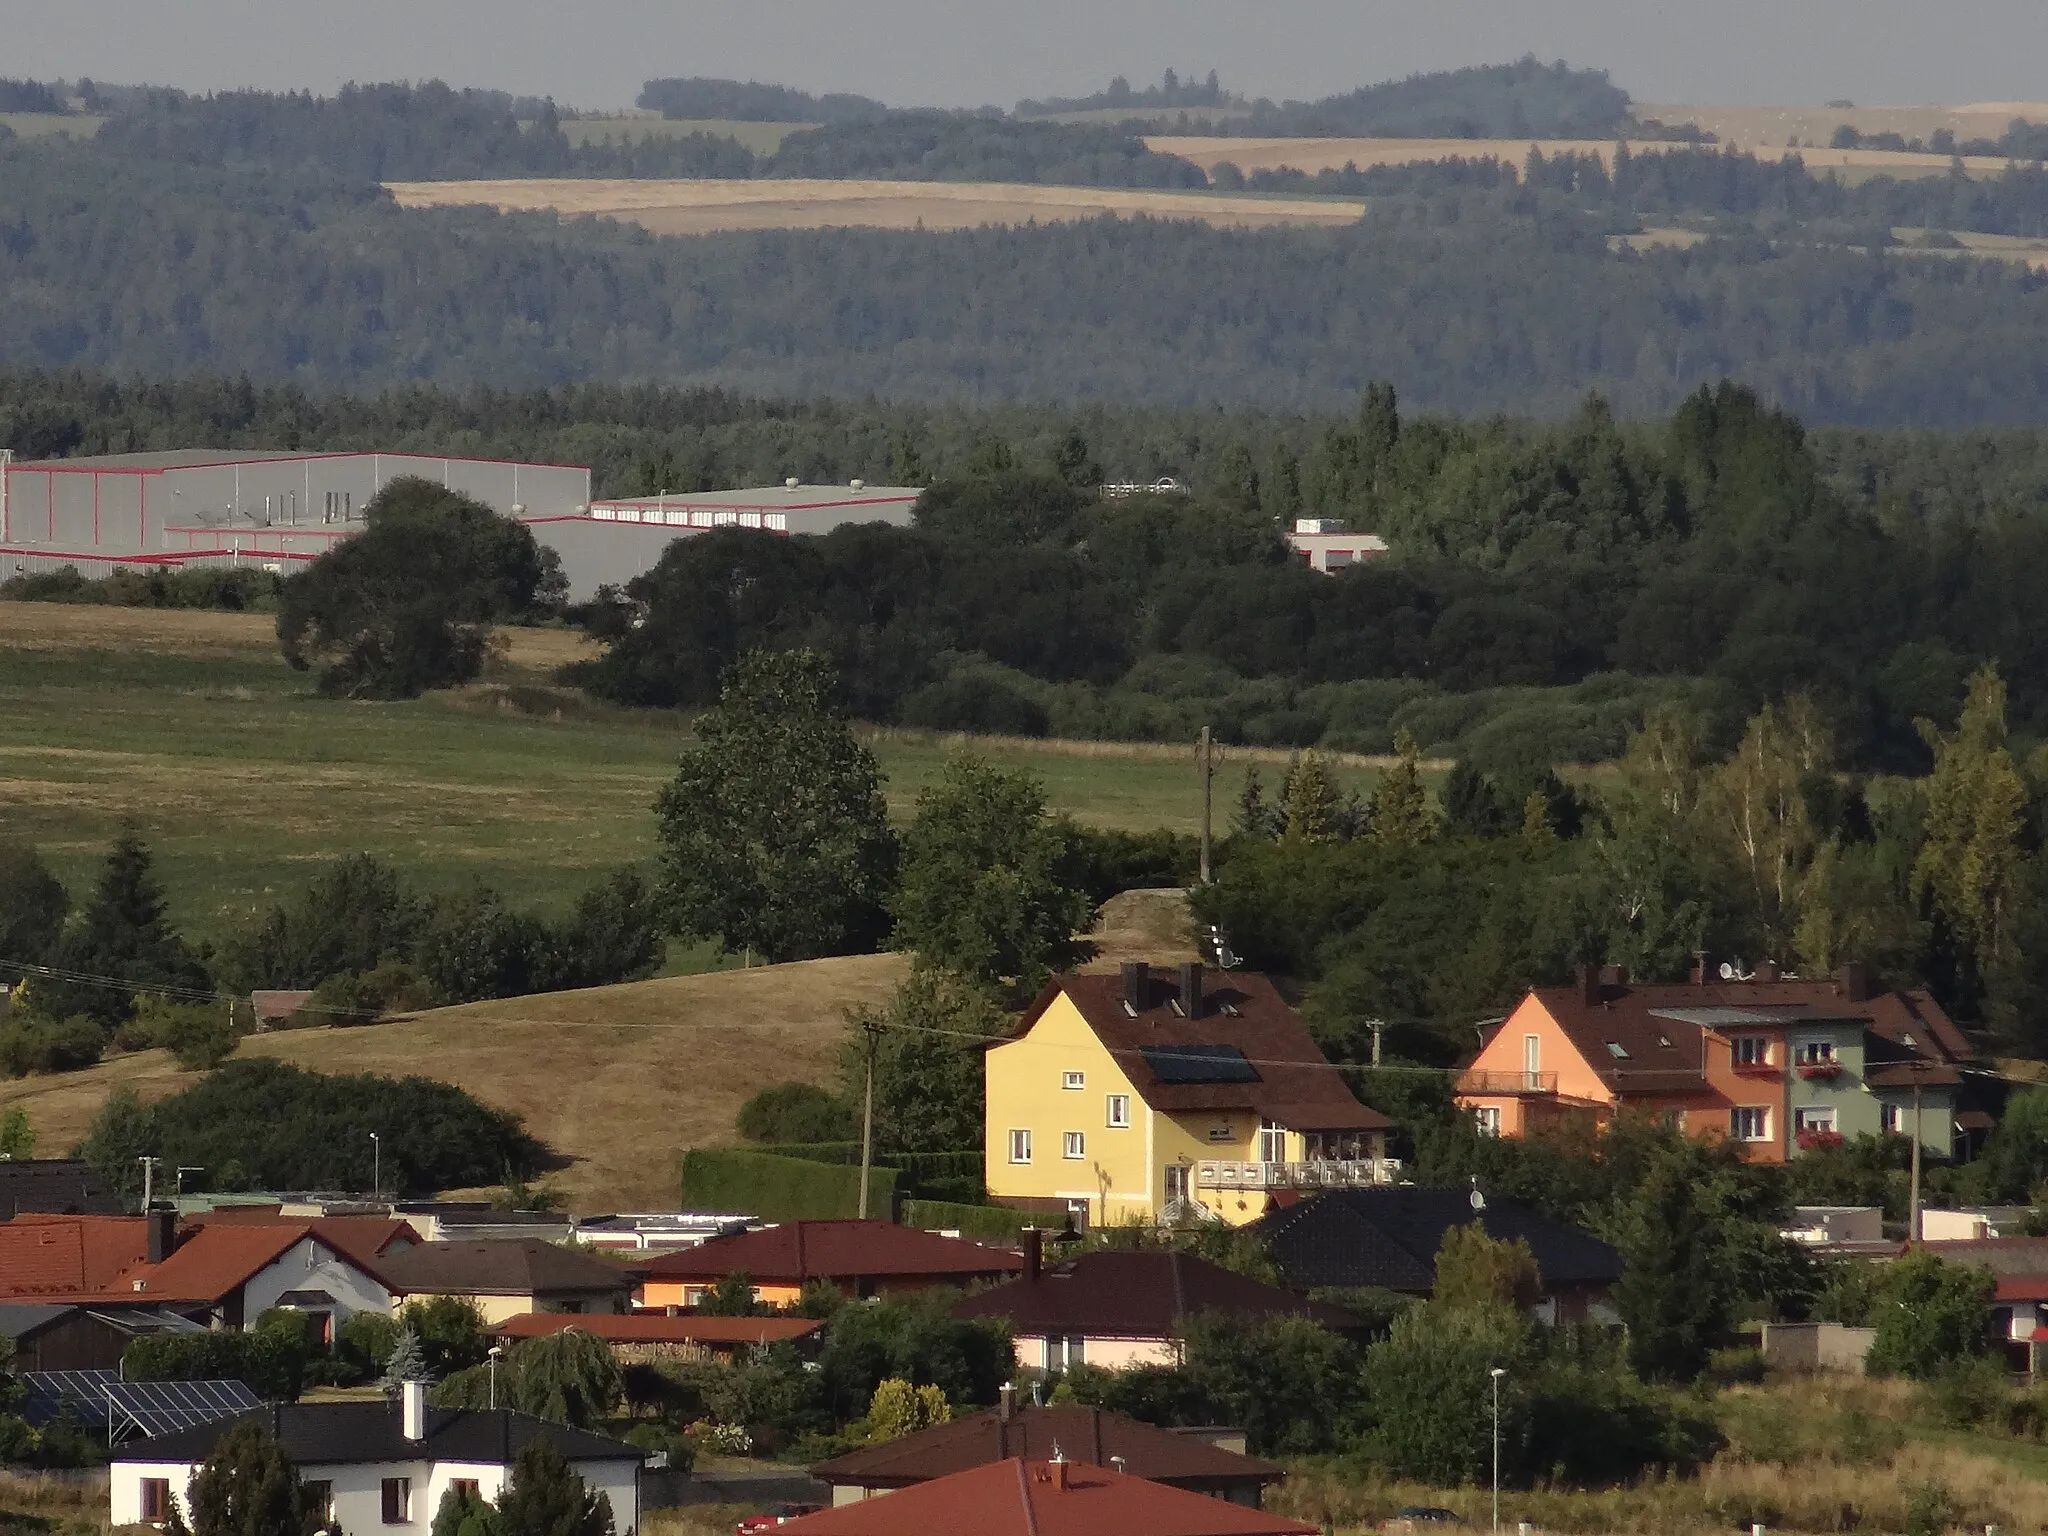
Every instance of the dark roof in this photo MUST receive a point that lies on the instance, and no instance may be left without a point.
(54, 1186)
(1290, 1081)
(658, 1328)
(1389, 1236)
(798, 1251)
(328, 1434)
(20, 1319)
(516, 1266)
(1085, 1434)
(1035, 1498)
(1137, 1294)
(1662, 1027)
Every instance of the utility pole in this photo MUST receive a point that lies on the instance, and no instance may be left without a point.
(1913, 1200)
(1206, 749)
(149, 1167)
(873, 1031)
(1376, 1026)
(376, 1165)
(1497, 1372)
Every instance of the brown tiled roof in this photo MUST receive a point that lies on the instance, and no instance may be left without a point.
(519, 1266)
(1030, 1498)
(1663, 1026)
(2026, 1256)
(798, 1251)
(1137, 1294)
(105, 1258)
(1296, 1086)
(52, 1257)
(657, 1328)
(1092, 1434)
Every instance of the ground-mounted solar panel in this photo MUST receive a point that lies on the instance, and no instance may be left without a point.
(1198, 1064)
(51, 1394)
(160, 1407)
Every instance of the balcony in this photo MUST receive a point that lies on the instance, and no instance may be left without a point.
(1214, 1173)
(1819, 1071)
(1475, 1084)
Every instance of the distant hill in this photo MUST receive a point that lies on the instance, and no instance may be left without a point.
(749, 101)
(1172, 94)
(1523, 100)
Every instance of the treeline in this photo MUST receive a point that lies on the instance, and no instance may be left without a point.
(1525, 99)
(1171, 92)
(1472, 303)
(113, 971)
(947, 146)
(749, 101)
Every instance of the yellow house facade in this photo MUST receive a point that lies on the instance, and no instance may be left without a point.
(1156, 1096)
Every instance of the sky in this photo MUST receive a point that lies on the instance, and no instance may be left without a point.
(593, 54)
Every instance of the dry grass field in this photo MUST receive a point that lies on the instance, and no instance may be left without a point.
(708, 207)
(1312, 155)
(1760, 128)
(618, 1079)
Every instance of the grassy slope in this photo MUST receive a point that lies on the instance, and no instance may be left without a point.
(243, 779)
(619, 1079)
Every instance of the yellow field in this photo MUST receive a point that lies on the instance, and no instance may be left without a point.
(1312, 155)
(707, 207)
(1758, 128)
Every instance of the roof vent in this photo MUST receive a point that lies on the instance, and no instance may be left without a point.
(857, 484)
(792, 482)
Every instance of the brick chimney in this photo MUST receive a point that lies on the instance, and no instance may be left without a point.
(1854, 982)
(1766, 971)
(1034, 1253)
(1613, 976)
(1589, 984)
(1137, 985)
(1191, 988)
(160, 1235)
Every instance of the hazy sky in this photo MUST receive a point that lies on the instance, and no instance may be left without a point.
(595, 53)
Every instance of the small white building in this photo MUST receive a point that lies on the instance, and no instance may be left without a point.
(377, 1464)
(1325, 544)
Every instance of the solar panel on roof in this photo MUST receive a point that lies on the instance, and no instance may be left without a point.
(1198, 1064)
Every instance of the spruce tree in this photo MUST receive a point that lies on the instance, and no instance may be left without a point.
(406, 1362)
(247, 1487)
(547, 1498)
(1311, 801)
(123, 933)
(1402, 816)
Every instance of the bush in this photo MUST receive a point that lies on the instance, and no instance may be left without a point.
(983, 1223)
(1929, 1316)
(795, 1114)
(660, 1439)
(200, 1035)
(779, 1188)
(362, 997)
(271, 1360)
(980, 705)
(363, 1343)
(1429, 1384)
(34, 1045)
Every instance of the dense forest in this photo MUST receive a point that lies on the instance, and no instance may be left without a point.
(1525, 99)
(700, 98)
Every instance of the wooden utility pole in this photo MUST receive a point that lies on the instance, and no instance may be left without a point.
(872, 1031)
(1206, 749)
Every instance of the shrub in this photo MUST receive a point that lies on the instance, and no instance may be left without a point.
(1429, 1384)
(796, 1114)
(199, 1035)
(33, 1045)
(272, 1360)
(1929, 1316)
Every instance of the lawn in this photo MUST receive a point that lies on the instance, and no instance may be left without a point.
(243, 779)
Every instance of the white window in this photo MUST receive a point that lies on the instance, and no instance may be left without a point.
(1176, 1182)
(1532, 1054)
(1814, 1053)
(1894, 1119)
(1488, 1119)
(1751, 1123)
(1020, 1146)
(1752, 1050)
(1074, 1080)
(1064, 1349)
(1813, 1119)
(1272, 1142)
(1119, 1111)
(1074, 1145)
(398, 1501)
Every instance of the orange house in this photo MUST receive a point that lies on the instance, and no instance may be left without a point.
(1768, 1061)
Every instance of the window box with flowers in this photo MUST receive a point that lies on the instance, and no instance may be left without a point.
(1820, 1071)
(1821, 1141)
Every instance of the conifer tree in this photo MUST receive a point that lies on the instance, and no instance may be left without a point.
(406, 1362)
(1971, 863)
(247, 1487)
(1402, 816)
(547, 1498)
(1311, 801)
(123, 932)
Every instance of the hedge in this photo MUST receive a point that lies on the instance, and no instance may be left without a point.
(989, 1223)
(780, 1188)
(949, 1176)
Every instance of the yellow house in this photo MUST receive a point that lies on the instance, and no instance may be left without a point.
(1148, 1097)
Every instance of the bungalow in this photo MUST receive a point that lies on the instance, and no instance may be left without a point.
(858, 1258)
(505, 1277)
(1389, 1238)
(1045, 1497)
(1138, 1098)
(375, 1464)
(639, 1338)
(1773, 1063)
(1177, 1458)
(1119, 1307)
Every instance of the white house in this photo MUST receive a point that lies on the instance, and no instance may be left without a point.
(378, 1465)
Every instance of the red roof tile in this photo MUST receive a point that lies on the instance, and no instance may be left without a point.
(65, 1256)
(831, 1250)
(656, 1328)
(1030, 1498)
(1137, 1294)
(1296, 1085)
(105, 1258)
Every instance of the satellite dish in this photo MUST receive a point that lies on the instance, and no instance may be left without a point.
(1227, 958)
(1478, 1200)
(1727, 971)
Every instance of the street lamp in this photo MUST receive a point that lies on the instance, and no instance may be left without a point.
(494, 1351)
(376, 1165)
(1497, 1372)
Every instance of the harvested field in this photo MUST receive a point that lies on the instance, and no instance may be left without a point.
(618, 1079)
(1760, 128)
(708, 207)
(1312, 155)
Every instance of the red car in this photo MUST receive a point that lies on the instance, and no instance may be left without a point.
(767, 1520)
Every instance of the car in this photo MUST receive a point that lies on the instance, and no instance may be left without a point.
(1418, 1517)
(774, 1515)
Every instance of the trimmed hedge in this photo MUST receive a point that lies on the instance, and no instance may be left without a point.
(987, 1223)
(780, 1188)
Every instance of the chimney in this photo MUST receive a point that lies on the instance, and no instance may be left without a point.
(1034, 1253)
(1613, 975)
(1059, 1470)
(1137, 984)
(1191, 989)
(1006, 1402)
(1854, 981)
(1766, 970)
(412, 1398)
(161, 1235)
(1700, 969)
(1589, 984)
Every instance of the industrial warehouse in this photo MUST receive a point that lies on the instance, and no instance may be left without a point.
(278, 511)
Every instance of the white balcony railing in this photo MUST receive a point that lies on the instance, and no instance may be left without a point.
(1226, 1173)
